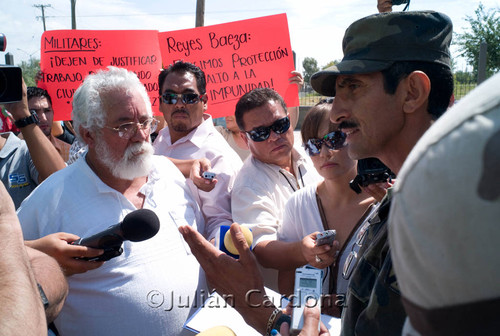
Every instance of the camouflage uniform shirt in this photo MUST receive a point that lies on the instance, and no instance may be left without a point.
(373, 304)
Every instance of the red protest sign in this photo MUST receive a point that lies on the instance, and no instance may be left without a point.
(68, 56)
(236, 58)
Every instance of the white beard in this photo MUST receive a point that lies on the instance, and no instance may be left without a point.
(131, 165)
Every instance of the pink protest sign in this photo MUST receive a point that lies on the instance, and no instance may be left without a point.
(68, 56)
(236, 58)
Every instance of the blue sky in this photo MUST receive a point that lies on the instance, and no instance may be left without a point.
(316, 26)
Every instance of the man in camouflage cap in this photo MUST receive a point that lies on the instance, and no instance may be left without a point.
(393, 82)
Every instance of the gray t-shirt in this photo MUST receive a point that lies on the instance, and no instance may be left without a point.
(17, 170)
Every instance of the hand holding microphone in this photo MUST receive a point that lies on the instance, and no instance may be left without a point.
(137, 226)
(224, 241)
(58, 246)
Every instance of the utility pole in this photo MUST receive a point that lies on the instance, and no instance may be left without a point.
(200, 13)
(73, 14)
(42, 7)
(481, 67)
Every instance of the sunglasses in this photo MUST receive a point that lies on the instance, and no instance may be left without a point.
(262, 133)
(333, 140)
(325, 101)
(352, 258)
(187, 98)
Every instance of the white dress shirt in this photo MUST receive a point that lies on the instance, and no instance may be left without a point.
(260, 193)
(150, 288)
(205, 142)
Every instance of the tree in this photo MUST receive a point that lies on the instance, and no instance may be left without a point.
(30, 69)
(310, 66)
(329, 64)
(463, 77)
(484, 27)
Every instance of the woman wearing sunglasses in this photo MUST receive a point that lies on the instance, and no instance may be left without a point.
(329, 205)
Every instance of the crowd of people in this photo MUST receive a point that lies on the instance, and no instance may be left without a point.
(413, 257)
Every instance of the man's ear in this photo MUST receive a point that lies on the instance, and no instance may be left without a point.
(88, 137)
(452, 100)
(418, 88)
(204, 99)
(243, 135)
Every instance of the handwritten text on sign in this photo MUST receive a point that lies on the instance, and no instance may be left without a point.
(68, 56)
(236, 57)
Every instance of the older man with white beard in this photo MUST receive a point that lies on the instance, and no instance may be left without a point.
(150, 289)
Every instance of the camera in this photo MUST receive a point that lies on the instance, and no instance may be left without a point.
(401, 2)
(308, 285)
(370, 170)
(11, 79)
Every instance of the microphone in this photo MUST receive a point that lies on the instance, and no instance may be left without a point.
(137, 226)
(224, 241)
(217, 331)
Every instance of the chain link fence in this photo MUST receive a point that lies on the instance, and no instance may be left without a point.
(462, 89)
(308, 97)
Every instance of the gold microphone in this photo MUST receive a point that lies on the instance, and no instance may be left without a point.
(218, 331)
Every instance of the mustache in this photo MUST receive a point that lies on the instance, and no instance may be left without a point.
(347, 124)
(136, 148)
(180, 111)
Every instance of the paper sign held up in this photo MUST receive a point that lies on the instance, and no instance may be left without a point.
(236, 58)
(68, 56)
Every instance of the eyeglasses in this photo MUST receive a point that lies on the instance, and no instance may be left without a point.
(187, 98)
(352, 258)
(128, 130)
(260, 134)
(325, 101)
(334, 140)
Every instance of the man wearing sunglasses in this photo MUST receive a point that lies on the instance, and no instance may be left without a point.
(271, 174)
(190, 134)
(119, 174)
(393, 82)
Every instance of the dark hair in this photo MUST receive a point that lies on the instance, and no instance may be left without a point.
(253, 99)
(33, 91)
(441, 82)
(313, 120)
(181, 67)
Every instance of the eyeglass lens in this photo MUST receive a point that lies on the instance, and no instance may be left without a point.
(334, 140)
(187, 98)
(130, 129)
(280, 126)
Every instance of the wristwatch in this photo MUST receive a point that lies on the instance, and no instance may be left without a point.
(32, 119)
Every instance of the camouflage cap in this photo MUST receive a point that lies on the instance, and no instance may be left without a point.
(375, 42)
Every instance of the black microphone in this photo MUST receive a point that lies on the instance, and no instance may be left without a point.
(137, 226)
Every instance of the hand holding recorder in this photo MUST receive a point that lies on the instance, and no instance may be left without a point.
(323, 254)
